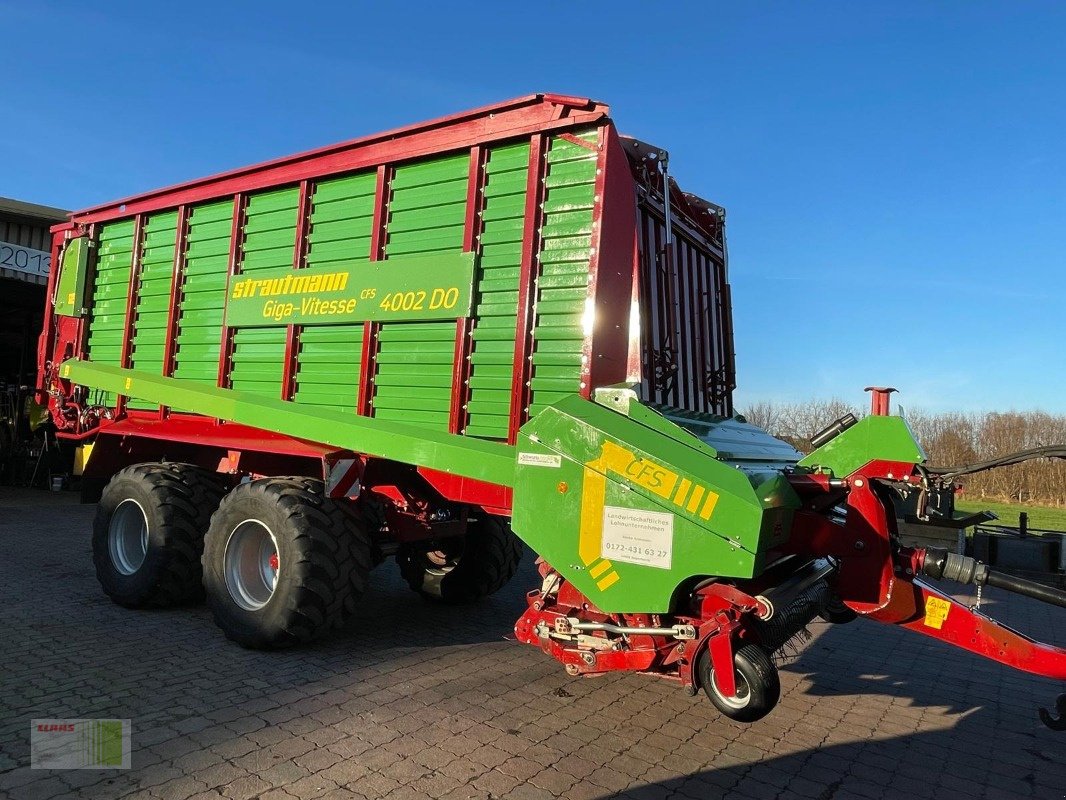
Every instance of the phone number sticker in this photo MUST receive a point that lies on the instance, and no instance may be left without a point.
(638, 537)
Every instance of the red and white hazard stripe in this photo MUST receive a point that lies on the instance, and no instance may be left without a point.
(343, 478)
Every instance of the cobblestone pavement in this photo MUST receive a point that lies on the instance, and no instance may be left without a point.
(414, 701)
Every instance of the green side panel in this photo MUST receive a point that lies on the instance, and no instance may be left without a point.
(873, 437)
(638, 505)
(329, 360)
(492, 354)
(111, 282)
(269, 242)
(566, 250)
(203, 292)
(398, 441)
(153, 295)
(73, 272)
(427, 213)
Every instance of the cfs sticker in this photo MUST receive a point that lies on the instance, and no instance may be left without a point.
(540, 460)
(936, 611)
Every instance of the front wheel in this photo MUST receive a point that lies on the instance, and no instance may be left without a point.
(149, 533)
(466, 568)
(283, 563)
(758, 685)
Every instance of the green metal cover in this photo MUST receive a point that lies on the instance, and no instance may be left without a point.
(637, 505)
(890, 438)
(73, 269)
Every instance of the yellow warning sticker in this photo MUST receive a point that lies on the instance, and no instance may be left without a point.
(129, 382)
(936, 611)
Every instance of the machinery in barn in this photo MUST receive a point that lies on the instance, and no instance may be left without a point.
(509, 325)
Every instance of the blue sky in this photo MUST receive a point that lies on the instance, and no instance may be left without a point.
(894, 173)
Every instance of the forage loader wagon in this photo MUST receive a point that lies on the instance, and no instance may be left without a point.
(420, 344)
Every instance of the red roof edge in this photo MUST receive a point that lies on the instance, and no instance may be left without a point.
(565, 101)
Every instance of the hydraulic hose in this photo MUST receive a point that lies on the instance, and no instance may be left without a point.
(1038, 591)
(947, 473)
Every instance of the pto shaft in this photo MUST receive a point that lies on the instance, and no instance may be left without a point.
(938, 563)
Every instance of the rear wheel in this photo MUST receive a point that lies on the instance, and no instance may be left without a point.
(466, 568)
(757, 682)
(149, 533)
(283, 564)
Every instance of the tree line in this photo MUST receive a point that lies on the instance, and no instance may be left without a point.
(949, 439)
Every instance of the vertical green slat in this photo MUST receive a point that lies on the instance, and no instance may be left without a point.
(492, 355)
(565, 256)
(427, 213)
(153, 296)
(330, 356)
(203, 293)
(110, 287)
(269, 240)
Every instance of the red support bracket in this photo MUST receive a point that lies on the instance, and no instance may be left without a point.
(879, 399)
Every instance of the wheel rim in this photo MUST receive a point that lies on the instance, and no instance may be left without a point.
(742, 697)
(251, 565)
(127, 537)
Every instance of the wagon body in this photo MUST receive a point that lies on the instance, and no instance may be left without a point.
(493, 262)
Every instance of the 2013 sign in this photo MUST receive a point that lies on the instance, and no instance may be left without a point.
(25, 259)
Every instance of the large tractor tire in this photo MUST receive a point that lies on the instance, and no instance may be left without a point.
(283, 563)
(148, 534)
(466, 568)
(758, 684)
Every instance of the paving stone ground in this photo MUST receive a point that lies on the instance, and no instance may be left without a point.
(415, 701)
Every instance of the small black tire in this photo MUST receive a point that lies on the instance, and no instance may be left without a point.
(837, 613)
(467, 568)
(321, 563)
(148, 534)
(758, 684)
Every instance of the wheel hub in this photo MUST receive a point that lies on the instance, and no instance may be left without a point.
(251, 565)
(127, 537)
